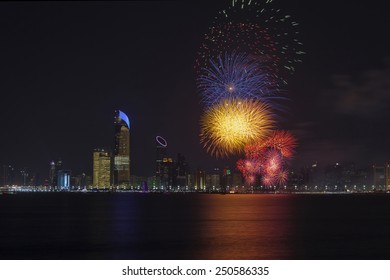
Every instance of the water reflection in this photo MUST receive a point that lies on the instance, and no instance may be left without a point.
(193, 226)
(246, 227)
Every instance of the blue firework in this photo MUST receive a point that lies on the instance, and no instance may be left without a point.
(235, 76)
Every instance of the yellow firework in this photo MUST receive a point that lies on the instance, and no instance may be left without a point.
(232, 123)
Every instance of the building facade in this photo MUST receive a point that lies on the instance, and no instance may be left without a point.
(101, 169)
(121, 164)
(63, 180)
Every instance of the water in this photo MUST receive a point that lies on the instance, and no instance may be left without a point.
(193, 226)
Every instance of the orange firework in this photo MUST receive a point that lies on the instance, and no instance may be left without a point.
(233, 123)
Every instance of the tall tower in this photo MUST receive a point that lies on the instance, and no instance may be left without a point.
(101, 169)
(121, 150)
(52, 173)
(161, 153)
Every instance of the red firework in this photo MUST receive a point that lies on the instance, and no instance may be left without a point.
(283, 141)
(267, 180)
(249, 169)
(272, 162)
(268, 158)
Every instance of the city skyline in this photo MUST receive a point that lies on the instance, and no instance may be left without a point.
(62, 80)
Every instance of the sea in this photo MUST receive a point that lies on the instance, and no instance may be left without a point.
(194, 226)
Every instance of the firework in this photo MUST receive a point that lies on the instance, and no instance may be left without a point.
(280, 140)
(232, 123)
(250, 169)
(257, 28)
(281, 177)
(283, 141)
(271, 157)
(235, 76)
(250, 179)
(267, 180)
(237, 37)
(272, 162)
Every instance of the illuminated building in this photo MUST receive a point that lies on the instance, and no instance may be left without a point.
(53, 172)
(161, 153)
(101, 169)
(63, 179)
(227, 178)
(165, 166)
(121, 150)
(213, 180)
(200, 180)
(167, 173)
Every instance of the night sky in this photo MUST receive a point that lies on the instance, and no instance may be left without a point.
(66, 66)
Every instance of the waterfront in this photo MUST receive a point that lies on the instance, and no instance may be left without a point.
(194, 226)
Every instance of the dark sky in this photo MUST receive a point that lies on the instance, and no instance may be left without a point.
(66, 66)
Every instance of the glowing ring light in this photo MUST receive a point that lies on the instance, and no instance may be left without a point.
(161, 141)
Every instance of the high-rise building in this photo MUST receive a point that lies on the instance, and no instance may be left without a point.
(226, 178)
(200, 180)
(161, 153)
(101, 169)
(182, 169)
(213, 180)
(63, 179)
(167, 175)
(53, 172)
(121, 155)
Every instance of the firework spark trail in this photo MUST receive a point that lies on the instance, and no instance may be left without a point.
(258, 28)
(240, 37)
(233, 123)
(235, 76)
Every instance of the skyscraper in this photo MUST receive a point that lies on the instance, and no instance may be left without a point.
(101, 168)
(182, 170)
(63, 180)
(161, 153)
(121, 150)
(200, 180)
(53, 172)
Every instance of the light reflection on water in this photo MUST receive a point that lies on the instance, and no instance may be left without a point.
(193, 226)
(245, 227)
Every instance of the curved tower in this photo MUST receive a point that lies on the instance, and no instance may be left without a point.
(121, 150)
